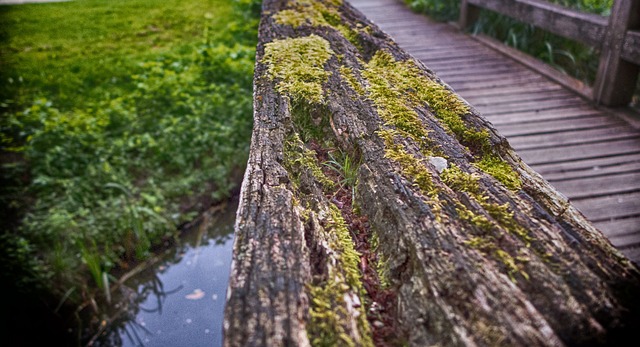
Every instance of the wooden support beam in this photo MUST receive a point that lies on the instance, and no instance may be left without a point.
(469, 14)
(380, 208)
(616, 79)
(631, 47)
(582, 27)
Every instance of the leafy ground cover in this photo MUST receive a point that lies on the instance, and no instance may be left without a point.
(568, 56)
(120, 121)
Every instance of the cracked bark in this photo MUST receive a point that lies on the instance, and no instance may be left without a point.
(455, 283)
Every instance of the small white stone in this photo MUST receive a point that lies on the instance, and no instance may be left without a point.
(378, 324)
(439, 163)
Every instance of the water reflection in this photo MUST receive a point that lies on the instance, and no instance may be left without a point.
(179, 300)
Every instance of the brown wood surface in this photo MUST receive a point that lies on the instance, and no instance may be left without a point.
(631, 49)
(583, 27)
(575, 145)
(432, 231)
(616, 78)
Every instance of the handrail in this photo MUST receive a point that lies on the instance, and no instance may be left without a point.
(613, 36)
(631, 48)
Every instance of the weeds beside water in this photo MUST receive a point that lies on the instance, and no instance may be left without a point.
(116, 132)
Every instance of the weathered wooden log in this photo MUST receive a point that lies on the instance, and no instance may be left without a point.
(379, 208)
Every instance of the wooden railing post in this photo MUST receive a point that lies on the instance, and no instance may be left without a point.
(468, 14)
(616, 79)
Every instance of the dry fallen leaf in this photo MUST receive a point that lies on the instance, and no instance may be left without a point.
(196, 295)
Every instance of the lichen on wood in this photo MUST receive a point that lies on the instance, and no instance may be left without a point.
(298, 65)
(477, 248)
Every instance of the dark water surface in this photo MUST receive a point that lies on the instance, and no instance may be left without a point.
(179, 301)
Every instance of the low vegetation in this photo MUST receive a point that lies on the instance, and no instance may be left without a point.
(116, 129)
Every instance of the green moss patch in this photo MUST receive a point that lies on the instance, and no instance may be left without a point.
(298, 66)
(349, 76)
(340, 289)
(397, 88)
(500, 170)
(489, 229)
(309, 12)
(390, 90)
(299, 159)
(412, 167)
(316, 14)
(459, 180)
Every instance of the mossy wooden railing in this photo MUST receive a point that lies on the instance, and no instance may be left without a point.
(617, 37)
(379, 208)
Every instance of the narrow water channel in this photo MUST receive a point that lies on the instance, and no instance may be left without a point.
(179, 300)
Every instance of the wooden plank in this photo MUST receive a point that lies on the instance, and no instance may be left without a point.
(578, 26)
(514, 80)
(485, 71)
(530, 106)
(478, 76)
(610, 207)
(619, 227)
(573, 112)
(427, 44)
(540, 141)
(468, 14)
(456, 52)
(549, 126)
(443, 66)
(633, 254)
(472, 65)
(594, 171)
(628, 240)
(616, 78)
(631, 47)
(581, 188)
(444, 63)
(408, 33)
(444, 45)
(589, 166)
(509, 90)
(538, 66)
(577, 152)
(405, 25)
(518, 96)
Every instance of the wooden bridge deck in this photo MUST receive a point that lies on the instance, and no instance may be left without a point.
(591, 155)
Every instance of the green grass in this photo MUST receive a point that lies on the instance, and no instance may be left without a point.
(76, 50)
(119, 121)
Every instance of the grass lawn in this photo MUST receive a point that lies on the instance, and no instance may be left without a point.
(120, 120)
(76, 50)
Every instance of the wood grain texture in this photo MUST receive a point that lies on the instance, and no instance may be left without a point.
(471, 257)
(564, 139)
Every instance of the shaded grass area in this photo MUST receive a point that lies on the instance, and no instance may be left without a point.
(120, 121)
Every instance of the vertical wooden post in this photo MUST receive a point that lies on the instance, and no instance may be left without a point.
(616, 78)
(468, 14)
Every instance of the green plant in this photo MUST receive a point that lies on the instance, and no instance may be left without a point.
(437, 9)
(346, 167)
(124, 135)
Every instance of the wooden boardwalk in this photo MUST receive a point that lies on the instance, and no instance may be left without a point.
(591, 155)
